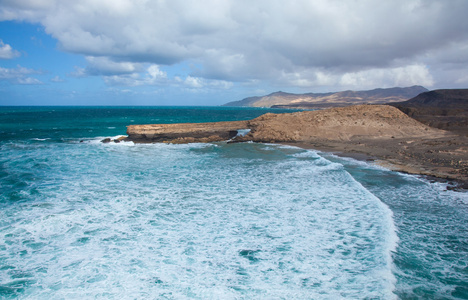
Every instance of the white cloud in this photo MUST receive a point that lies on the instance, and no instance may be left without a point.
(106, 66)
(301, 43)
(193, 82)
(28, 80)
(377, 77)
(152, 76)
(198, 83)
(400, 76)
(57, 79)
(79, 72)
(19, 75)
(6, 52)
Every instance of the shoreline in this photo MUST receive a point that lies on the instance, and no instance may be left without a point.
(391, 157)
(380, 133)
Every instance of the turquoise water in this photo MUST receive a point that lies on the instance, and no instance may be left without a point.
(80, 219)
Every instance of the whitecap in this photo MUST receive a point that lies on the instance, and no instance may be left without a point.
(155, 219)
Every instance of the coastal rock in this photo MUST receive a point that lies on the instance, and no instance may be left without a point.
(185, 132)
(117, 140)
(336, 124)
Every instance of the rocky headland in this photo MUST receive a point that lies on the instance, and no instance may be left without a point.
(377, 132)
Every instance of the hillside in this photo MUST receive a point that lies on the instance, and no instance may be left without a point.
(334, 99)
(444, 109)
(337, 124)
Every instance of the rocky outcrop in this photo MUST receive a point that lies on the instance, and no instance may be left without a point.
(185, 132)
(337, 124)
(115, 140)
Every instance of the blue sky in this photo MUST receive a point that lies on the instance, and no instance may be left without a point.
(210, 52)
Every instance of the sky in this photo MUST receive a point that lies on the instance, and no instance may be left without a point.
(210, 52)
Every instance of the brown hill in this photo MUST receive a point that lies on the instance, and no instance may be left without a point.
(337, 124)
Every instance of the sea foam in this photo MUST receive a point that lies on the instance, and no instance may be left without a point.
(203, 221)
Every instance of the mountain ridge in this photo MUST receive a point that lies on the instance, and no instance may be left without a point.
(331, 99)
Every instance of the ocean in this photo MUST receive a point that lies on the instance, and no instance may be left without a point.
(80, 219)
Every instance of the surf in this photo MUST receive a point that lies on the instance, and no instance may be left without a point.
(195, 221)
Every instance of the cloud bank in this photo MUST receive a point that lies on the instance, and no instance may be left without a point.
(300, 43)
(19, 75)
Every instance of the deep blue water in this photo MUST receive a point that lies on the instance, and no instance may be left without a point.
(80, 219)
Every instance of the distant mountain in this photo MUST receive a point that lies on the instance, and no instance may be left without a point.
(443, 109)
(334, 99)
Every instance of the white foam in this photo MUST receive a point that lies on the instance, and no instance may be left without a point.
(243, 132)
(180, 221)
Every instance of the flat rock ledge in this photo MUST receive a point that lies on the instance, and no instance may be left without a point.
(185, 132)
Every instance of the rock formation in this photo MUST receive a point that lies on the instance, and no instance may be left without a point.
(184, 132)
(337, 124)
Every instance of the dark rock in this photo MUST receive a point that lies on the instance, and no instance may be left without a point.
(442, 109)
